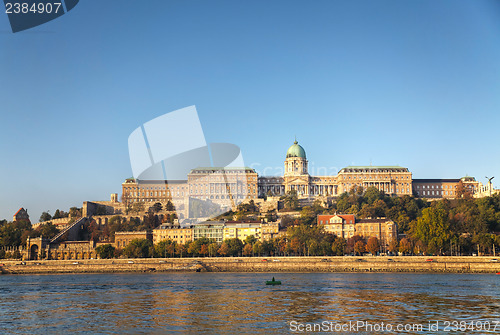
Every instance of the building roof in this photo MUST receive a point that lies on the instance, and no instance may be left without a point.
(394, 168)
(435, 181)
(155, 182)
(346, 217)
(296, 151)
(378, 220)
(220, 169)
(20, 209)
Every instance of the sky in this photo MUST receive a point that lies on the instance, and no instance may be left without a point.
(408, 83)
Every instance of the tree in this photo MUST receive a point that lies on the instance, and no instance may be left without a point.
(139, 248)
(57, 214)
(157, 207)
(307, 215)
(47, 230)
(290, 200)
(75, 212)
(433, 229)
(105, 251)
(258, 248)
(405, 246)
(204, 249)
(351, 242)
(250, 240)
(45, 216)
(338, 246)
(393, 246)
(247, 250)
(169, 206)
(138, 207)
(165, 248)
(224, 249)
(235, 246)
(373, 245)
(212, 249)
(359, 247)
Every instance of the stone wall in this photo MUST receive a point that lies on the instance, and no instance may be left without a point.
(261, 264)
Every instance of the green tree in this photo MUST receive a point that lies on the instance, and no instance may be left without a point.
(250, 240)
(45, 216)
(138, 207)
(258, 248)
(212, 249)
(290, 200)
(139, 248)
(169, 206)
(75, 212)
(157, 207)
(433, 229)
(339, 246)
(47, 230)
(105, 251)
(165, 248)
(235, 246)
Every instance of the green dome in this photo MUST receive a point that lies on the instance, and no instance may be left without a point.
(296, 151)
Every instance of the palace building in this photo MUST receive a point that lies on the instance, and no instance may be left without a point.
(227, 187)
(393, 180)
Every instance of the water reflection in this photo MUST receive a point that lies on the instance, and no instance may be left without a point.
(229, 303)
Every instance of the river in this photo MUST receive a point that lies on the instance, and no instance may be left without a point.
(232, 303)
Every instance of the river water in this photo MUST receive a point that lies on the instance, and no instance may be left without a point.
(234, 303)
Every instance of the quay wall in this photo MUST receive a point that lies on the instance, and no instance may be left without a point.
(443, 264)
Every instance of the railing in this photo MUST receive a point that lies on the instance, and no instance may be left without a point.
(58, 236)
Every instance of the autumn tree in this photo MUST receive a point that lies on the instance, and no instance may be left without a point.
(224, 249)
(393, 246)
(247, 250)
(360, 247)
(405, 246)
(373, 245)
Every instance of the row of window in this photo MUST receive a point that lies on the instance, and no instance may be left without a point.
(377, 177)
(438, 193)
(437, 186)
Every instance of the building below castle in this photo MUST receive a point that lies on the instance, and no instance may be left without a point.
(348, 225)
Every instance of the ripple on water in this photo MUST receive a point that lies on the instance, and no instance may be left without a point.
(236, 302)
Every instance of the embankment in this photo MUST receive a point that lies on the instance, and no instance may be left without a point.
(259, 264)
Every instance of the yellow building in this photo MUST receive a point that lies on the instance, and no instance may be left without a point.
(242, 230)
(175, 233)
(269, 230)
(347, 226)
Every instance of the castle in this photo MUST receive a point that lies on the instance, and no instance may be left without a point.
(226, 187)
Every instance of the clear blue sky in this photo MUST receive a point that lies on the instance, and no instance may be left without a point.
(410, 83)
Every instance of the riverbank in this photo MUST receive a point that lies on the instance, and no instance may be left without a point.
(444, 264)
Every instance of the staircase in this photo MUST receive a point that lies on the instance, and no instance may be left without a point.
(72, 230)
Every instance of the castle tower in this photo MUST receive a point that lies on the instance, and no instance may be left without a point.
(296, 176)
(295, 161)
